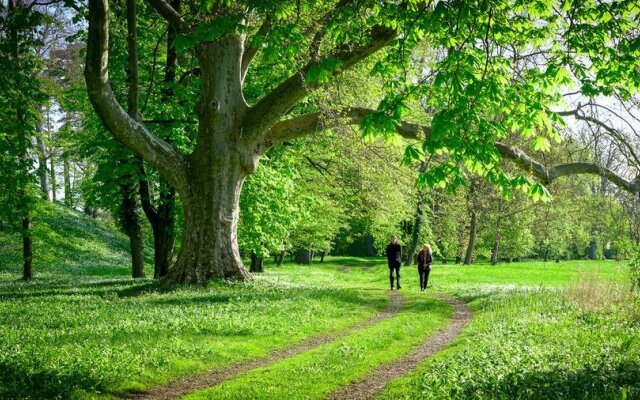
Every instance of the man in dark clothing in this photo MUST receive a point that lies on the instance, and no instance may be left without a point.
(394, 255)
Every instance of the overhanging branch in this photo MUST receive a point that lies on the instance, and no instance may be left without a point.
(318, 122)
(126, 129)
(312, 123)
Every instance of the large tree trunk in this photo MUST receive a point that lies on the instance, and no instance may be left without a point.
(209, 246)
(217, 169)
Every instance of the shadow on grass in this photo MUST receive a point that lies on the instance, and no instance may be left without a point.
(185, 295)
(110, 288)
(21, 382)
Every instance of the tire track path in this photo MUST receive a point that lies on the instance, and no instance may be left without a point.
(183, 386)
(374, 383)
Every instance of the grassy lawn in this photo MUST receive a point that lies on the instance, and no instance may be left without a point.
(60, 339)
(83, 329)
(313, 374)
(554, 331)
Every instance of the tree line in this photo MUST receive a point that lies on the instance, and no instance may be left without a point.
(278, 127)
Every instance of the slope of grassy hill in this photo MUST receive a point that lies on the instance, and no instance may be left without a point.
(67, 242)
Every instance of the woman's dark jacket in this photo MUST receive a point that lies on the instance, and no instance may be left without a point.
(424, 259)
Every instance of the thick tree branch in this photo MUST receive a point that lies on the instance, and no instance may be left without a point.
(126, 129)
(318, 122)
(547, 175)
(170, 14)
(272, 107)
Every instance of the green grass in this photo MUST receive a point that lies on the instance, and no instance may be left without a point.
(104, 335)
(314, 374)
(66, 242)
(574, 336)
(83, 329)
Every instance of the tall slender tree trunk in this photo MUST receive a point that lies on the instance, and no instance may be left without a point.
(496, 237)
(468, 258)
(416, 232)
(592, 250)
(27, 249)
(370, 249)
(21, 115)
(68, 194)
(52, 171)
(162, 221)
(43, 175)
(471, 246)
(130, 222)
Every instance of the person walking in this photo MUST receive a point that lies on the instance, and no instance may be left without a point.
(394, 256)
(425, 258)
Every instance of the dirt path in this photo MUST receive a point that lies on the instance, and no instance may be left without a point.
(190, 384)
(373, 383)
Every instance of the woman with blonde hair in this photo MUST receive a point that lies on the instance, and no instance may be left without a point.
(425, 259)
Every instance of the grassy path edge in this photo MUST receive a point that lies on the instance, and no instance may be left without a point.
(183, 386)
(375, 382)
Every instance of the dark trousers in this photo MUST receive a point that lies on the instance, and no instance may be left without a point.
(424, 276)
(395, 267)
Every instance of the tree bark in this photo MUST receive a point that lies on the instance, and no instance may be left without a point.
(27, 249)
(217, 169)
(592, 250)
(371, 251)
(130, 222)
(496, 237)
(54, 183)
(68, 195)
(417, 228)
(257, 263)
(42, 162)
(468, 258)
(281, 258)
(162, 221)
(303, 256)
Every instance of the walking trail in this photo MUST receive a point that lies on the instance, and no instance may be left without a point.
(375, 382)
(190, 384)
